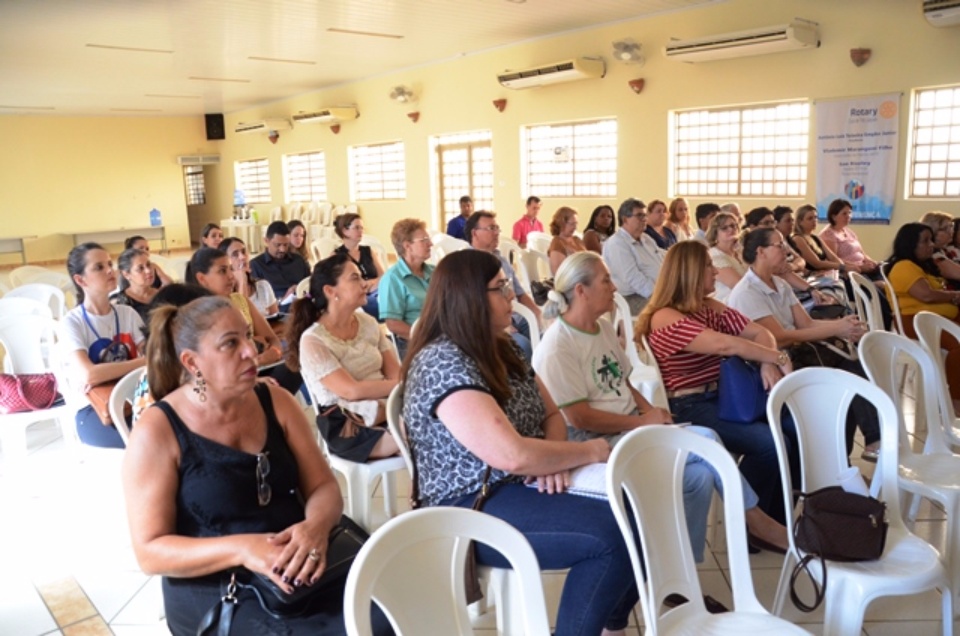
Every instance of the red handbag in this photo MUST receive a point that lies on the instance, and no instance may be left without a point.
(27, 392)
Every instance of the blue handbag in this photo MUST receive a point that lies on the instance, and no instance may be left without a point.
(741, 395)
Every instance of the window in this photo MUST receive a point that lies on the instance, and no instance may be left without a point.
(193, 181)
(747, 151)
(306, 176)
(571, 160)
(465, 162)
(935, 144)
(253, 178)
(378, 172)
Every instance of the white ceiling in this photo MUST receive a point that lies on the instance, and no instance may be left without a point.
(47, 65)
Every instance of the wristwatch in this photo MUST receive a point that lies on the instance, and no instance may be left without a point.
(782, 359)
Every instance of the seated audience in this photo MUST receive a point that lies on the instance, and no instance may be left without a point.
(819, 258)
(224, 478)
(136, 282)
(733, 209)
(767, 299)
(586, 371)
(98, 342)
(257, 291)
(843, 242)
(783, 215)
(704, 215)
(278, 266)
(690, 334)
(211, 235)
(457, 223)
(952, 249)
(657, 228)
(601, 226)
(563, 226)
(526, 224)
(916, 281)
(941, 224)
(137, 242)
(632, 256)
(476, 417)
(298, 239)
(349, 227)
(403, 287)
(723, 237)
(346, 360)
(678, 220)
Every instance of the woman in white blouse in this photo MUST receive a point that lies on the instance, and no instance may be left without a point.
(257, 291)
(346, 360)
(723, 237)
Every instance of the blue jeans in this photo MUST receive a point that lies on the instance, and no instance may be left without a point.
(759, 464)
(568, 531)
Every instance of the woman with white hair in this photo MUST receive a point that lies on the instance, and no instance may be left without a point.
(586, 371)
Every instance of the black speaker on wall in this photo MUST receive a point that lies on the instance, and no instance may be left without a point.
(215, 129)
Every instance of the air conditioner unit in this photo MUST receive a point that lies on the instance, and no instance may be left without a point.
(198, 160)
(566, 71)
(326, 116)
(263, 126)
(799, 34)
(942, 13)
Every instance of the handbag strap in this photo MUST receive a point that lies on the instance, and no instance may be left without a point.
(219, 619)
(36, 407)
(803, 565)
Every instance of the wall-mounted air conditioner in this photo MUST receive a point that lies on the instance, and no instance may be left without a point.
(566, 71)
(799, 34)
(326, 115)
(263, 126)
(198, 160)
(942, 13)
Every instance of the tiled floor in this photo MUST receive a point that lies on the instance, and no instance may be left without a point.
(66, 565)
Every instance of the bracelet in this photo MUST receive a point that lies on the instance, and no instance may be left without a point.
(782, 359)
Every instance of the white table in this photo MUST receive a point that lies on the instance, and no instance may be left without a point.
(14, 245)
(245, 230)
(154, 232)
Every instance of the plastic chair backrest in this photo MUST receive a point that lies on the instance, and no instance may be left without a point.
(303, 287)
(24, 339)
(415, 561)
(443, 244)
(531, 320)
(511, 250)
(25, 274)
(276, 214)
(13, 306)
(121, 394)
(645, 353)
(295, 210)
(645, 475)
(397, 429)
(539, 241)
(377, 247)
(47, 294)
(326, 213)
(537, 264)
(930, 328)
(819, 400)
(884, 356)
(865, 294)
(892, 297)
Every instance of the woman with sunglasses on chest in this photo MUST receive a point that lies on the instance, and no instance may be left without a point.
(98, 342)
(223, 477)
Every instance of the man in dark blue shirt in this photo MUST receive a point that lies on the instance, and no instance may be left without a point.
(279, 266)
(456, 224)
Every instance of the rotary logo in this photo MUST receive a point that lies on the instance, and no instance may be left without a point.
(888, 109)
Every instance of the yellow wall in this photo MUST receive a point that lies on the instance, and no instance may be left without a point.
(66, 174)
(130, 160)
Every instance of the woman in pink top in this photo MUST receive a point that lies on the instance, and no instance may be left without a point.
(844, 243)
(690, 334)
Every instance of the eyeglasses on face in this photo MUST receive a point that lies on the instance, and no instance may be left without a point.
(422, 239)
(264, 492)
(490, 228)
(505, 287)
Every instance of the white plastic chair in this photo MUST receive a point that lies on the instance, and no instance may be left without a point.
(294, 210)
(413, 568)
(537, 264)
(645, 472)
(24, 338)
(51, 296)
(892, 297)
(377, 247)
(866, 296)
(929, 327)
(361, 479)
(13, 306)
(443, 244)
(26, 273)
(531, 319)
(303, 287)
(511, 250)
(934, 473)
(645, 376)
(122, 394)
(539, 241)
(819, 399)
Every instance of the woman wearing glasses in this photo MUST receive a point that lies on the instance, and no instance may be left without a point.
(224, 477)
(403, 287)
(476, 415)
(345, 359)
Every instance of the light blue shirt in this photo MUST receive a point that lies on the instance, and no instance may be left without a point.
(402, 292)
(634, 265)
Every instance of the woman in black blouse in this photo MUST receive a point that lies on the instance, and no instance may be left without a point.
(349, 227)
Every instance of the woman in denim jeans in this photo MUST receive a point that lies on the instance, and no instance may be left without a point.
(690, 334)
(475, 413)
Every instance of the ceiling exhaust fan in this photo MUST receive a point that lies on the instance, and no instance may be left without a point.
(628, 51)
(402, 95)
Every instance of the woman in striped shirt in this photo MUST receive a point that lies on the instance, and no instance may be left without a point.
(690, 334)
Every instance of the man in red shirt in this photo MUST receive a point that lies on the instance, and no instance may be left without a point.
(528, 222)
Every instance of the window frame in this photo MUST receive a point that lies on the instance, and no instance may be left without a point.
(357, 191)
(261, 192)
(316, 192)
(923, 148)
(601, 182)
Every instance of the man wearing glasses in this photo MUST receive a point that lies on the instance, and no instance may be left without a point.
(632, 256)
(483, 233)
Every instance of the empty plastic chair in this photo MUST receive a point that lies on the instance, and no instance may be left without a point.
(49, 295)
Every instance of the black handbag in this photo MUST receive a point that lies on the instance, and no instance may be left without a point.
(741, 396)
(346, 540)
(836, 525)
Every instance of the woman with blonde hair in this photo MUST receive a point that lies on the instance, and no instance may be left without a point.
(678, 219)
(690, 333)
(565, 242)
(723, 237)
(941, 224)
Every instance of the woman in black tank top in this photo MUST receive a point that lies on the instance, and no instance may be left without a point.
(225, 477)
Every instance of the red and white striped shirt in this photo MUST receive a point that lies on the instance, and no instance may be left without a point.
(684, 369)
